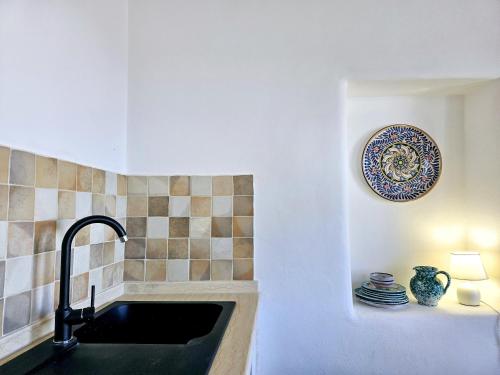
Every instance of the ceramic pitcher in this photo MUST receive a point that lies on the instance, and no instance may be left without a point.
(426, 287)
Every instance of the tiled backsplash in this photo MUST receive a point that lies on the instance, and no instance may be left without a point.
(180, 228)
(40, 197)
(189, 228)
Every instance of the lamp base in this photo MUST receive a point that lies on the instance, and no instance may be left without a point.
(468, 294)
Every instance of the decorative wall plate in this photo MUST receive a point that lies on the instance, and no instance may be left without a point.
(401, 162)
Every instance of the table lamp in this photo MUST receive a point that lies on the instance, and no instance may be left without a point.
(467, 265)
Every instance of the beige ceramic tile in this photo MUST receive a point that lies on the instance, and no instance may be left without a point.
(97, 204)
(199, 270)
(46, 172)
(98, 181)
(221, 270)
(242, 226)
(133, 270)
(20, 239)
(45, 236)
(180, 185)
(43, 268)
(243, 247)
(108, 276)
(158, 186)
(96, 256)
(222, 248)
(178, 227)
(178, 248)
(109, 233)
(110, 205)
(1, 316)
(158, 206)
(156, 249)
(121, 185)
(222, 206)
(135, 248)
(21, 203)
(157, 227)
(16, 312)
(201, 206)
(22, 168)
(84, 178)
(242, 206)
(222, 226)
(243, 185)
(199, 248)
(66, 204)
(4, 201)
(111, 183)
(137, 185)
(222, 185)
(46, 207)
(18, 275)
(156, 270)
(199, 227)
(67, 175)
(137, 205)
(179, 207)
(243, 269)
(108, 254)
(4, 166)
(136, 227)
(178, 270)
(80, 287)
(201, 185)
(2, 280)
(82, 238)
(42, 302)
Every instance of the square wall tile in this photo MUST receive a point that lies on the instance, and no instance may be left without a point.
(179, 207)
(95, 278)
(221, 270)
(96, 233)
(22, 168)
(137, 205)
(46, 204)
(121, 206)
(242, 226)
(201, 206)
(119, 251)
(121, 185)
(200, 227)
(222, 248)
(108, 276)
(243, 269)
(201, 185)
(66, 175)
(222, 185)
(180, 185)
(22, 203)
(111, 184)
(62, 227)
(4, 230)
(243, 247)
(45, 236)
(156, 270)
(157, 227)
(156, 249)
(80, 287)
(110, 205)
(4, 167)
(135, 248)
(243, 185)
(20, 239)
(133, 270)
(178, 248)
(178, 227)
(158, 186)
(222, 206)
(97, 204)
(158, 206)
(66, 205)
(16, 312)
(199, 270)
(243, 206)
(178, 270)
(2, 280)
(83, 205)
(1, 316)
(82, 238)
(44, 268)
(222, 226)
(4, 201)
(108, 254)
(199, 248)
(84, 179)
(18, 275)
(46, 172)
(98, 181)
(42, 302)
(137, 185)
(136, 227)
(81, 259)
(96, 257)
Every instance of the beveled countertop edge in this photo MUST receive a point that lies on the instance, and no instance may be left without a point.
(190, 287)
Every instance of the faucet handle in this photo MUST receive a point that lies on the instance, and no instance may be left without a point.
(92, 296)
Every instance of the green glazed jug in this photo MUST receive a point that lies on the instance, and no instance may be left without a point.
(426, 287)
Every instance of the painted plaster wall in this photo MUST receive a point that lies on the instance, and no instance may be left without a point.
(63, 79)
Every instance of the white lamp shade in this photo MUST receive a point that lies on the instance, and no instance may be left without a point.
(467, 265)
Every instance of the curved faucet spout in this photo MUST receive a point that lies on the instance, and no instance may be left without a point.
(65, 316)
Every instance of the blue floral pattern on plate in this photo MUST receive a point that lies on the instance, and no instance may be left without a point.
(401, 162)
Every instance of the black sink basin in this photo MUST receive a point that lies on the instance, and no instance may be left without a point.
(136, 338)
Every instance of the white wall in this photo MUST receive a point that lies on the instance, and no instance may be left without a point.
(394, 237)
(229, 87)
(63, 79)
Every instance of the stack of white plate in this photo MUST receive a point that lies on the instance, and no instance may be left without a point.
(389, 297)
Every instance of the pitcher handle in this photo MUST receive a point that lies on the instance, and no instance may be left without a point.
(448, 277)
